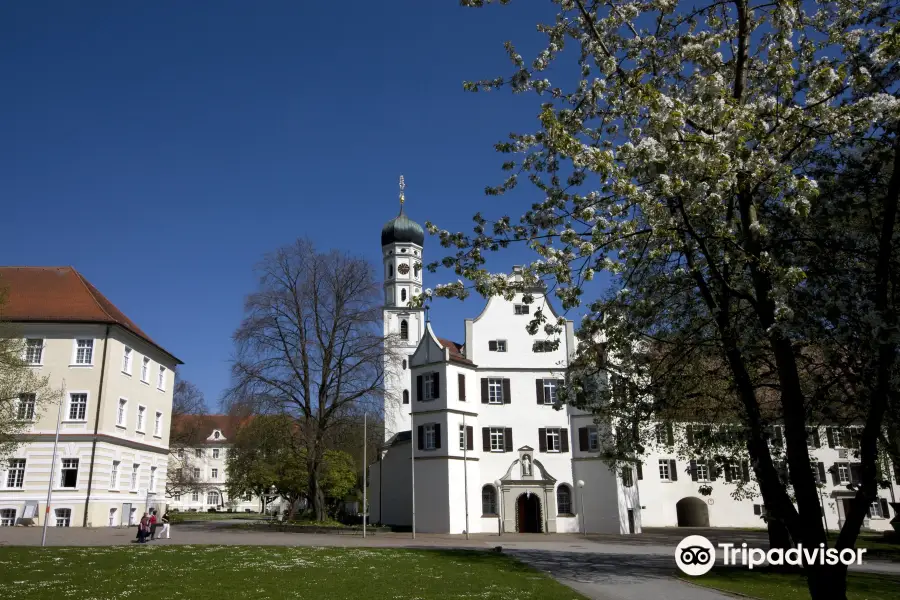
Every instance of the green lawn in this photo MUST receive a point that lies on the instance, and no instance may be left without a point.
(768, 585)
(267, 573)
(181, 517)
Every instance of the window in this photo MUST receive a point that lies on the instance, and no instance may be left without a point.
(665, 434)
(564, 500)
(759, 510)
(140, 421)
(34, 351)
(77, 407)
(248, 496)
(549, 394)
(215, 473)
(702, 472)
(25, 409)
(63, 517)
(429, 437)
(145, 370)
(196, 473)
(112, 517)
(735, 473)
(176, 496)
(838, 436)
(405, 396)
(404, 330)
(157, 425)
(114, 476)
(212, 498)
(812, 437)
(123, 411)
(488, 501)
(134, 477)
(390, 271)
(495, 391)
(627, 477)
(181, 453)
(429, 389)
(15, 477)
(161, 378)
(69, 473)
(152, 479)
(126, 360)
(215, 453)
(521, 309)
(593, 439)
(84, 352)
(404, 364)
(543, 346)
(7, 517)
(403, 296)
(462, 437)
(664, 474)
(198, 453)
(875, 510)
(843, 471)
(195, 496)
(497, 345)
(497, 439)
(552, 437)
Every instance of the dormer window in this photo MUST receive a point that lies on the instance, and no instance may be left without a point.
(217, 434)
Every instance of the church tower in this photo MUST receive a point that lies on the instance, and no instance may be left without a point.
(401, 251)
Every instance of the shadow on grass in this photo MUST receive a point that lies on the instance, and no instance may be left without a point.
(789, 583)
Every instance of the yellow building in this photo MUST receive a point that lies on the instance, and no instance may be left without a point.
(116, 409)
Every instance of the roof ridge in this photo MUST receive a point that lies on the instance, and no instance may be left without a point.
(87, 288)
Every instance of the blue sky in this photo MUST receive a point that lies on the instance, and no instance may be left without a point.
(162, 148)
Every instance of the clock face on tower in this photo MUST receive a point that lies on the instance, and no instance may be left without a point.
(403, 269)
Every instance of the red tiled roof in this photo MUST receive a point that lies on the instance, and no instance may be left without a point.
(60, 294)
(456, 351)
(200, 427)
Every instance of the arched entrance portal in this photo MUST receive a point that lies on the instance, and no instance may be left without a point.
(692, 512)
(528, 513)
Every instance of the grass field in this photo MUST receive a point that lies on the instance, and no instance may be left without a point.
(182, 517)
(768, 585)
(267, 573)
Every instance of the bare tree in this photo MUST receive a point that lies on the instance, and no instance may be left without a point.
(189, 425)
(311, 347)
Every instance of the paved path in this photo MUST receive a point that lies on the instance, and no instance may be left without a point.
(605, 567)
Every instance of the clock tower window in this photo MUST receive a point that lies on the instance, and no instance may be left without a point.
(404, 330)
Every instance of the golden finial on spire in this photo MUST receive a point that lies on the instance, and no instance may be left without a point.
(402, 187)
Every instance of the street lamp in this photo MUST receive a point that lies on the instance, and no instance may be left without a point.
(581, 492)
(497, 482)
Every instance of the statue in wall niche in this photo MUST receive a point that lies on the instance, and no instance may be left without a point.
(526, 466)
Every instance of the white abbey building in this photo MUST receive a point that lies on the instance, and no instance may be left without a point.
(473, 425)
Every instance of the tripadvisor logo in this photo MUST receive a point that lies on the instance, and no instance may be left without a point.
(695, 555)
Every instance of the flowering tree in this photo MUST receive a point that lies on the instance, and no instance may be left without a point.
(680, 161)
(25, 395)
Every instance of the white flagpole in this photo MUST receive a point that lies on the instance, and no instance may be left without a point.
(412, 461)
(365, 468)
(53, 465)
(466, 471)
